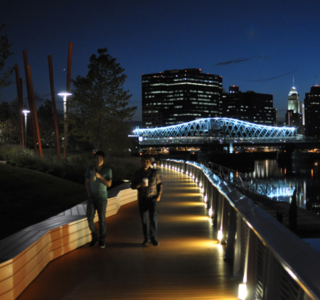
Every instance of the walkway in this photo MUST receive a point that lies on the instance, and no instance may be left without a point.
(188, 264)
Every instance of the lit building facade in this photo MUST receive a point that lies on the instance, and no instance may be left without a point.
(178, 96)
(295, 114)
(249, 106)
(312, 111)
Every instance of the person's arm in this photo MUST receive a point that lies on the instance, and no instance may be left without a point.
(107, 182)
(103, 180)
(135, 184)
(159, 187)
(87, 185)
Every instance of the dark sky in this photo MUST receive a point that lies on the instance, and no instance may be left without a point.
(257, 45)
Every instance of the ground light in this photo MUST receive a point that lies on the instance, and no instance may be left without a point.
(242, 291)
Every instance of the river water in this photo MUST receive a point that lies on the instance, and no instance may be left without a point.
(285, 179)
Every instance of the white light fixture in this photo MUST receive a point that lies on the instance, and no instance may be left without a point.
(210, 212)
(219, 237)
(25, 111)
(205, 198)
(65, 95)
(242, 291)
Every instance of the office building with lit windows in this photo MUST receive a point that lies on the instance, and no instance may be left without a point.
(295, 114)
(249, 106)
(178, 96)
(312, 111)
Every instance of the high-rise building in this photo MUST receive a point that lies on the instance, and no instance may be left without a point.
(293, 100)
(295, 113)
(312, 111)
(178, 96)
(249, 106)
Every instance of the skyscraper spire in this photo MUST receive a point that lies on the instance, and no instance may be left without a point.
(293, 80)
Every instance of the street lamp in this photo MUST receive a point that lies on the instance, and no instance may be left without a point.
(25, 111)
(65, 95)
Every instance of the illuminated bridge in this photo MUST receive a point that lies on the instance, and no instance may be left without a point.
(214, 130)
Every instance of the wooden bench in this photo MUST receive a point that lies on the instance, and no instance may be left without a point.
(25, 254)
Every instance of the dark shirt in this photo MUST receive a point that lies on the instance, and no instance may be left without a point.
(154, 187)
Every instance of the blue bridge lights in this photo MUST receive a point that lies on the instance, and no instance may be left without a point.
(214, 130)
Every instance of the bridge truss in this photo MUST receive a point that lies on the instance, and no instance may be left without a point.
(214, 130)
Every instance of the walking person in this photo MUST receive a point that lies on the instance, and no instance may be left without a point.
(148, 183)
(98, 178)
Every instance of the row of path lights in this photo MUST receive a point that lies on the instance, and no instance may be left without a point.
(242, 288)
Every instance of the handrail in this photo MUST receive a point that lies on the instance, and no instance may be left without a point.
(259, 239)
(242, 180)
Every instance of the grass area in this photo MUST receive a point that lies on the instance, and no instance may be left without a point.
(33, 189)
(28, 197)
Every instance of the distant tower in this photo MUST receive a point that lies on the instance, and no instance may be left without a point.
(293, 100)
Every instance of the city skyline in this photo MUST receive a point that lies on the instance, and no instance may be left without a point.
(256, 46)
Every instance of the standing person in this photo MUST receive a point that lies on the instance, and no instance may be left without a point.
(148, 183)
(98, 178)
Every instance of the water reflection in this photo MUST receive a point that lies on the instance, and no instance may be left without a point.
(284, 183)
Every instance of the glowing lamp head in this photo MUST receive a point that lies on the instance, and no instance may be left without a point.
(64, 94)
(26, 111)
(219, 237)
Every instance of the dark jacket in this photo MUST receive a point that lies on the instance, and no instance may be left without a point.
(154, 187)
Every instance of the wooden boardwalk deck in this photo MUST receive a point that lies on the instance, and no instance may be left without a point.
(188, 264)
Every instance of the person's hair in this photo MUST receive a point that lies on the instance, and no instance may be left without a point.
(99, 153)
(144, 157)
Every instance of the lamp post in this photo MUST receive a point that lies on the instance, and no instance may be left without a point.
(25, 111)
(65, 95)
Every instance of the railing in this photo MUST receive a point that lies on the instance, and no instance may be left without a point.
(246, 181)
(273, 262)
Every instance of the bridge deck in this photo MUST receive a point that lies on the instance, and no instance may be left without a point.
(188, 264)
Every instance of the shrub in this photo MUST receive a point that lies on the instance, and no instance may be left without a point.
(73, 168)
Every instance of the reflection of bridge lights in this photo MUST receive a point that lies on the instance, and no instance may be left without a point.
(282, 192)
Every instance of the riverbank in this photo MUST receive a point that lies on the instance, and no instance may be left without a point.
(308, 223)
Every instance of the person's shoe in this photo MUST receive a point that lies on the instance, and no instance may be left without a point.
(155, 243)
(102, 244)
(146, 242)
(93, 243)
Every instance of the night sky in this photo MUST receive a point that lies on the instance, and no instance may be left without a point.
(256, 45)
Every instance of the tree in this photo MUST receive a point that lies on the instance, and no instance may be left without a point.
(9, 121)
(98, 107)
(46, 123)
(4, 54)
